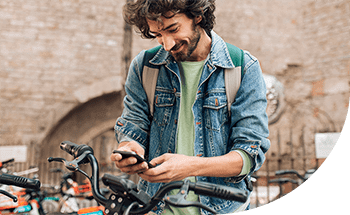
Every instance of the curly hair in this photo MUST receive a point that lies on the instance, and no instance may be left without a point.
(137, 13)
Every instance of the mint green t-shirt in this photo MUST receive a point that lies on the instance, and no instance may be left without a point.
(192, 72)
(190, 77)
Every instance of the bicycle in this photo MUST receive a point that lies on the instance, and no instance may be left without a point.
(71, 191)
(5, 164)
(127, 199)
(19, 181)
(282, 181)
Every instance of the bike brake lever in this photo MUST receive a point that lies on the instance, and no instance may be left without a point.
(14, 198)
(71, 165)
(179, 200)
(74, 164)
(62, 160)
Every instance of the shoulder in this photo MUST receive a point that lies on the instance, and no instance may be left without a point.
(249, 60)
(251, 67)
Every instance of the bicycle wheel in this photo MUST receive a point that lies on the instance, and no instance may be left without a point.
(49, 206)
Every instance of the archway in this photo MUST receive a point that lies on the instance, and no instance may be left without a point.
(89, 123)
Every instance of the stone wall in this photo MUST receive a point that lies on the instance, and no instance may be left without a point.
(58, 55)
(54, 56)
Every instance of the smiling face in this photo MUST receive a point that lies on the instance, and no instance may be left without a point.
(180, 36)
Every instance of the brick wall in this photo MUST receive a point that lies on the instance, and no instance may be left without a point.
(49, 50)
(56, 55)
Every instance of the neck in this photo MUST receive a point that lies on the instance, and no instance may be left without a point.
(203, 47)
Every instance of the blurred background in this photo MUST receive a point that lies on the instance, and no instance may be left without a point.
(63, 64)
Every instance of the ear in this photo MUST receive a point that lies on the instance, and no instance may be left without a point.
(198, 19)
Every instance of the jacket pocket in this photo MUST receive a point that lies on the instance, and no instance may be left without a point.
(215, 111)
(163, 103)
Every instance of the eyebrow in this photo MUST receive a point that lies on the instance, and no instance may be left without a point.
(164, 29)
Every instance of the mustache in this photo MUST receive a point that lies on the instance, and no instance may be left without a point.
(177, 46)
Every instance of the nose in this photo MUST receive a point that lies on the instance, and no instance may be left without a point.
(167, 42)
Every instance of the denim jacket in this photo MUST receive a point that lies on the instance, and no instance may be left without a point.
(216, 133)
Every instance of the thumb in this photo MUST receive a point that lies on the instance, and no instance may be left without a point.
(159, 160)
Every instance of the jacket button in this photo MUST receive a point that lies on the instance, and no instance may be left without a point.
(174, 90)
(169, 151)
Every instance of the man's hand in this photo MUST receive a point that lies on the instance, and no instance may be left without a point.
(175, 167)
(128, 165)
(171, 167)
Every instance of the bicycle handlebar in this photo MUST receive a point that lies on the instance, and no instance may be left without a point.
(19, 181)
(290, 171)
(76, 150)
(128, 197)
(283, 181)
(8, 161)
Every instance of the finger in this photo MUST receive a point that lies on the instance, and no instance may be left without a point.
(134, 169)
(163, 178)
(116, 157)
(161, 159)
(132, 146)
(127, 162)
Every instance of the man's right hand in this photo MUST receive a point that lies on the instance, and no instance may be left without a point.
(128, 165)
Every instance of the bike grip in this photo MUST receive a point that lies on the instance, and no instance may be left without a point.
(220, 191)
(69, 147)
(19, 181)
(8, 161)
(74, 149)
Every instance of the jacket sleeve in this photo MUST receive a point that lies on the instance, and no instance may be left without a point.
(134, 122)
(249, 122)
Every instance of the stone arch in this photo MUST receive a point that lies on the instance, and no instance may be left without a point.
(87, 123)
(83, 123)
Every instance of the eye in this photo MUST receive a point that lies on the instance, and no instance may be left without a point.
(174, 30)
(155, 34)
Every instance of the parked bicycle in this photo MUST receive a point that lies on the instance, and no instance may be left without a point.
(4, 164)
(71, 191)
(284, 180)
(127, 199)
(19, 181)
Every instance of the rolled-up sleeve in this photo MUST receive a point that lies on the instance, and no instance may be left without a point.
(249, 122)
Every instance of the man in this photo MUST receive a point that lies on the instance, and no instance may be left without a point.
(191, 135)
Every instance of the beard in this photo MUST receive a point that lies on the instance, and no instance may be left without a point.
(184, 54)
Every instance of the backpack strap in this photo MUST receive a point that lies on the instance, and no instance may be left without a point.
(233, 76)
(150, 77)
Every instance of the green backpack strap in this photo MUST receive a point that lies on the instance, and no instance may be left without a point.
(233, 76)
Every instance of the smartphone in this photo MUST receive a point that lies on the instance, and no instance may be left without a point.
(126, 154)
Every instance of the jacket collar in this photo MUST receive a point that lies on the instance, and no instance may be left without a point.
(218, 55)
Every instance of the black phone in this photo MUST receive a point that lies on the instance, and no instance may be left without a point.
(127, 154)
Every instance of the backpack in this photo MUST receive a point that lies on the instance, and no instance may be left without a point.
(233, 76)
